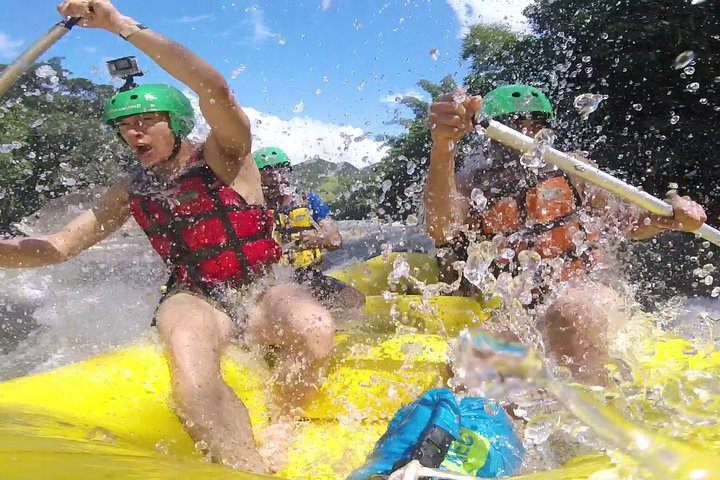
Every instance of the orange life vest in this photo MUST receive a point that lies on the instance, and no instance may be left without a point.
(544, 217)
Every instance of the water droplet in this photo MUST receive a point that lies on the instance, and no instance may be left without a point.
(478, 199)
(715, 292)
(480, 257)
(299, 107)
(37, 123)
(411, 167)
(507, 253)
(69, 181)
(674, 119)
(386, 185)
(697, 2)
(637, 106)
(708, 280)
(693, 87)
(282, 41)
(362, 85)
(237, 71)
(45, 71)
(9, 147)
(201, 447)
(459, 96)
(451, 145)
(2, 193)
(434, 54)
(689, 70)
(587, 103)
(604, 36)
(703, 101)
(684, 59)
(586, 59)
(318, 91)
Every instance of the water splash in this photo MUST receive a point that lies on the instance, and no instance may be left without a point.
(587, 103)
(683, 60)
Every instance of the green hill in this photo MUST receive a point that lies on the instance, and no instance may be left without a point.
(328, 179)
(347, 189)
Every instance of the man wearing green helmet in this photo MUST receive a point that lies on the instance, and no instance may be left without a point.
(304, 227)
(530, 227)
(202, 207)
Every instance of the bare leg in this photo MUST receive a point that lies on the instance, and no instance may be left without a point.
(287, 317)
(195, 334)
(577, 327)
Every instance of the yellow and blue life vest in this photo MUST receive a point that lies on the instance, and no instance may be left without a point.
(289, 222)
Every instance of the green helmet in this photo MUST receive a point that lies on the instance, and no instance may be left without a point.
(510, 99)
(153, 98)
(269, 157)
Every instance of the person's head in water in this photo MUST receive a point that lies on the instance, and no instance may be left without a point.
(274, 166)
(152, 119)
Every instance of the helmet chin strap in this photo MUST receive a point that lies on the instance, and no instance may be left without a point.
(176, 148)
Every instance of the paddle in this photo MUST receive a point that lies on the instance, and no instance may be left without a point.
(15, 70)
(513, 139)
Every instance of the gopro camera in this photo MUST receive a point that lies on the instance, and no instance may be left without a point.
(125, 68)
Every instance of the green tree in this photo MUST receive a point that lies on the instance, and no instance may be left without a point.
(52, 141)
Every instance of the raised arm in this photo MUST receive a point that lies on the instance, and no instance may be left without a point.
(444, 206)
(229, 143)
(81, 233)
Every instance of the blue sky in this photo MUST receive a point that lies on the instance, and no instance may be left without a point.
(306, 70)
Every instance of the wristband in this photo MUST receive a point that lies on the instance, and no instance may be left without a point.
(127, 31)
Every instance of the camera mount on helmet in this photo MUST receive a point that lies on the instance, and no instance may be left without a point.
(125, 68)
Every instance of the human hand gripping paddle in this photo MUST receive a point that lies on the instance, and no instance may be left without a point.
(15, 70)
(516, 140)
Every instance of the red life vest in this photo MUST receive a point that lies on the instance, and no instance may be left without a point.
(204, 230)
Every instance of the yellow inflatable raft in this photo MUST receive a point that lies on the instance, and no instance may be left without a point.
(110, 416)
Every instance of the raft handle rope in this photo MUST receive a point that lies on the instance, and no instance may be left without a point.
(414, 470)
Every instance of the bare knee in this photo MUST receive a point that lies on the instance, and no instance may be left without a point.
(577, 327)
(316, 327)
(291, 317)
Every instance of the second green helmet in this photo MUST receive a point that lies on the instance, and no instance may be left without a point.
(510, 99)
(269, 157)
(153, 98)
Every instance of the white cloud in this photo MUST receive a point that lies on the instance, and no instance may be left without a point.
(260, 30)
(304, 138)
(325, 4)
(396, 97)
(472, 12)
(90, 49)
(8, 46)
(197, 18)
(256, 21)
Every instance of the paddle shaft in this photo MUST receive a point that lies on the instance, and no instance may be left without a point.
(513, 139)
(15, 70)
